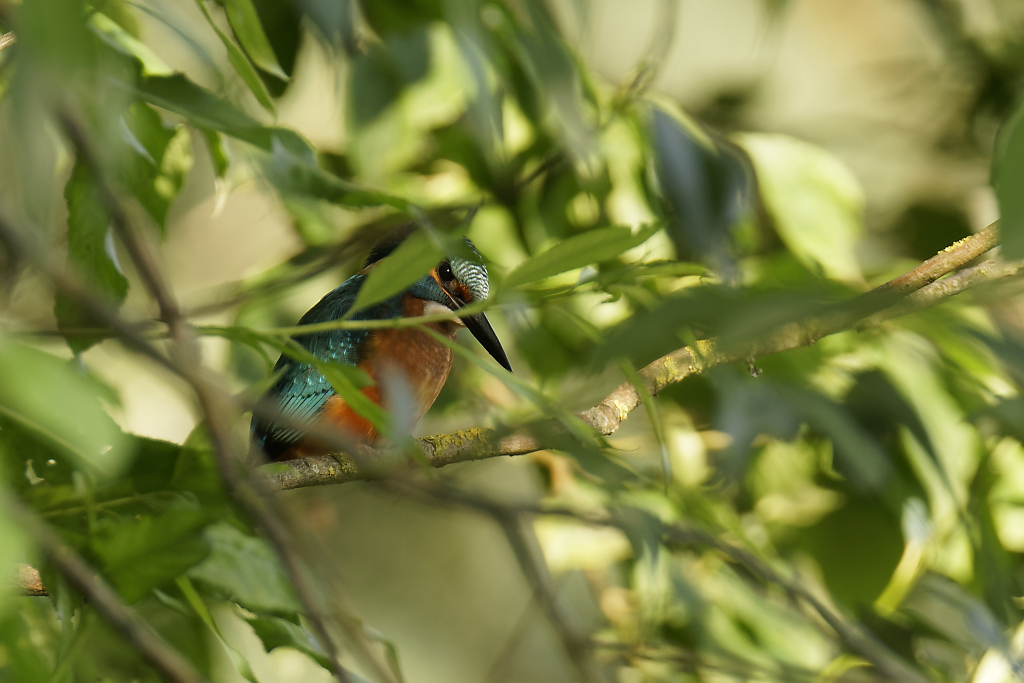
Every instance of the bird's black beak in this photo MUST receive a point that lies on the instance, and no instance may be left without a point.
(484, 333)
(479, 326)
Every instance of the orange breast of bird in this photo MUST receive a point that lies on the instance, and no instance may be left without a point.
(408, 366)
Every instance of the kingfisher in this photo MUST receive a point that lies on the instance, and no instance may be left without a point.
(408, 366)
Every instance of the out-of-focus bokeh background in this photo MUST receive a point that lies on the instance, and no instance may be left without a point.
(781, 154)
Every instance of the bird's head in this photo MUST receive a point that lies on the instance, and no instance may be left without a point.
(458, 280)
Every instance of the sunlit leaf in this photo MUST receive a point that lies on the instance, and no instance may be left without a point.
(113, 33)
(60, 405)
(245, 23)
(238, 60)
(815, 202)
(589, 247)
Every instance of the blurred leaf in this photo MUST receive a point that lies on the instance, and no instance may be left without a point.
(143, 552)
(704, 182)
(335, 20)
(1008, 179)
(862, 460)
(857, 546)
(589, 247)
(237, 59)
(816, 204)
(245, 23)
(245, 570)
(91, 251)
(381, 75)
(203, 109)
(417, 255)
(390, 17)
(215, 145)
(735, 316)
(118, 37)
(275, 632)
(14, 549)
(199, 607)
(292, 167)
(959, 616)
(60, 406)
(160, 158)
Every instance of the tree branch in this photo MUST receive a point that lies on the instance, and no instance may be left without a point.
(916, 289)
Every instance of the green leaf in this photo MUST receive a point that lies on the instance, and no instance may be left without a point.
(203, 109)
(215, 145)
(58, 404)
(413, 259)
(578, 251)
(239, 61)
(703, 181)
(199, 607)
(159, 159)
(91, 252)
(245, 570)
(815, 202)
(1008, 179)
(142, 552)
(121, 39)
(291, 164)
(292, 168)
(276, 632)
(860, 456)
(13, 550)
(245, 23)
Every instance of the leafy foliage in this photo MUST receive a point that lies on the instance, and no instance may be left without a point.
(848, 510)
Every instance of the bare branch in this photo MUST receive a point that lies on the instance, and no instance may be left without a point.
(914, 290)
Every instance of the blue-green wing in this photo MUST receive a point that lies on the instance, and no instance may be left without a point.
(302, 390)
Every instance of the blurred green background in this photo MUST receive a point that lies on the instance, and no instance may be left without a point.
(763, 159)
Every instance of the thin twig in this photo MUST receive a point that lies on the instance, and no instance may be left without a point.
(171, 665)
(219, 411)
(534, 568)
(545, 593)
(913, 290)
(856, 638)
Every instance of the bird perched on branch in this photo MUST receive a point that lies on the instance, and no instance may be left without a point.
(408, 366)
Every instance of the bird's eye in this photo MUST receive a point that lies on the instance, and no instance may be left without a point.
(444, 272)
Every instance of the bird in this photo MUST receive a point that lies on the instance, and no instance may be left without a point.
(408, 366)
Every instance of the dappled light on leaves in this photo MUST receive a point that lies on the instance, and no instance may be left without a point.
(756, 437)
